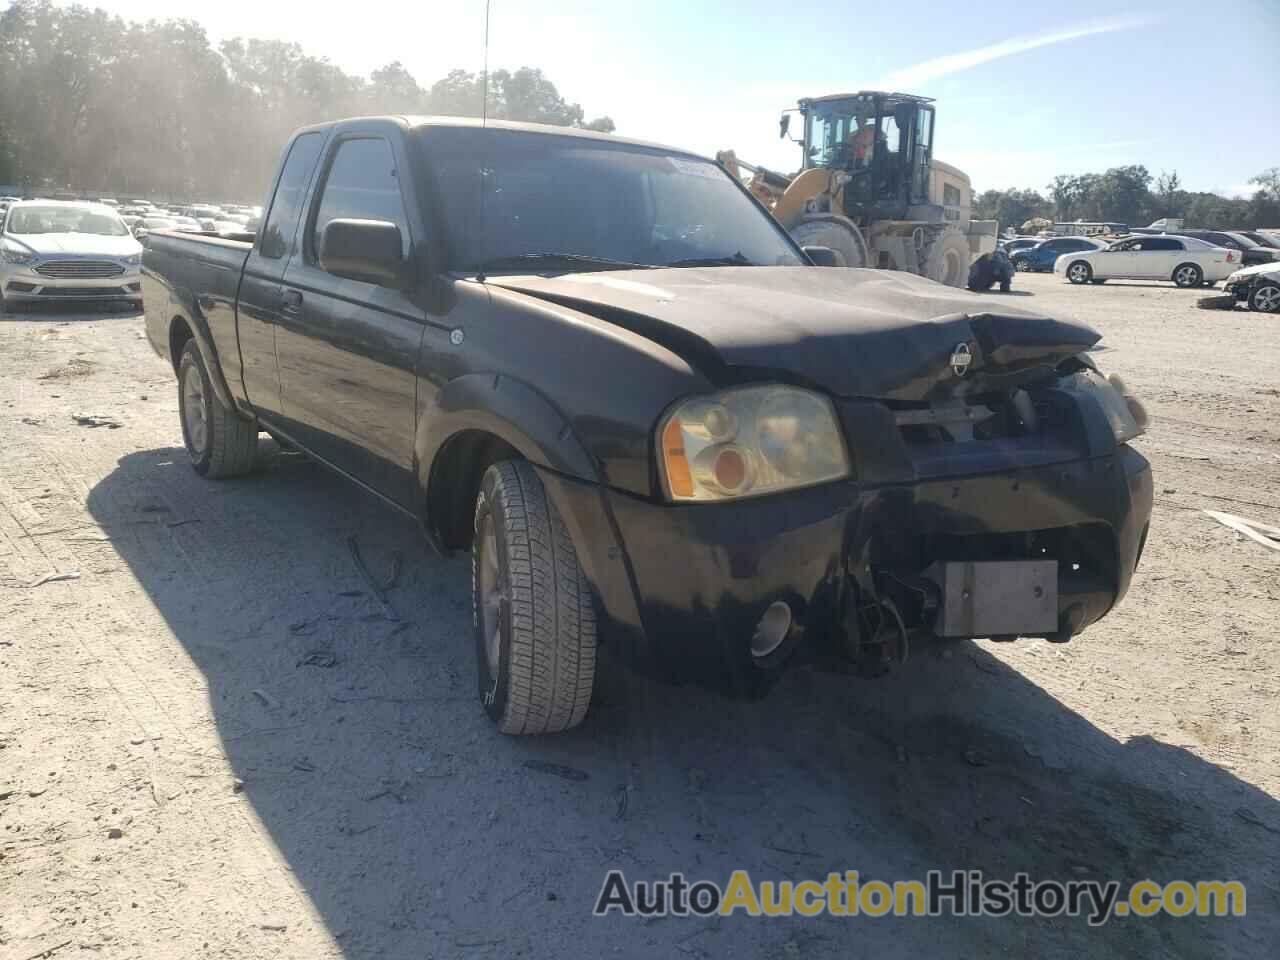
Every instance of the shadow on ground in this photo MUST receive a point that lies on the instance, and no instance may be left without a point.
(416, 830)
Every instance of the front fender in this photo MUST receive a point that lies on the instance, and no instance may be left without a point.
(509, 409)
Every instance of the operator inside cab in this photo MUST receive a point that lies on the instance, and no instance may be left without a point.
(862, 141)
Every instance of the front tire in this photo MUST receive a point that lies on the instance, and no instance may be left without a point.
(1187, 275)
(219, 441)
(1265, 298)
(947, 258)
(1079, 272)
(1022, 265)
(533, 615)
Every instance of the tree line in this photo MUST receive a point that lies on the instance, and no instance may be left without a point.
(1132, 196)
(94, 103)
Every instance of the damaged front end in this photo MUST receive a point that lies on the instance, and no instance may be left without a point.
(992, 494)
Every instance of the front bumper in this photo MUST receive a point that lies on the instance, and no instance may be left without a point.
(686, 585)
(24, 284)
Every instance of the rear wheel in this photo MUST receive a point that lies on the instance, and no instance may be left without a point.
(219, 441)
(1265, 298)
(1187, 275)
(533, 615)
(1079, 272)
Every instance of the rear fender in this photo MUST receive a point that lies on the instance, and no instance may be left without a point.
(186, 310)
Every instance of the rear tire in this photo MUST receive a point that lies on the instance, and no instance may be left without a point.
(1265, 298)
(533, 615)
(1079, 272)
(1187, 275)
(219, 441)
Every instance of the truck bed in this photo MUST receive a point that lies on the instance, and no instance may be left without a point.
(195, 276)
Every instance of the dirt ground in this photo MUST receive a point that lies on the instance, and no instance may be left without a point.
(214, 742)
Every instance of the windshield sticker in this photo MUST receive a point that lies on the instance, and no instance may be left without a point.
(696, 168)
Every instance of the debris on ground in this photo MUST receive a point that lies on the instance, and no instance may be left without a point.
(55, 577)
(1262, 533)
(558, 770)
(1248, 816)
(318, 658)
(379, 589)
(1219, 302)
(96, 420)
(266, 700)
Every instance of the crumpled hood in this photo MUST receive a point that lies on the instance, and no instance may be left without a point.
(851, 332)
(75, 244)
(1258, 268)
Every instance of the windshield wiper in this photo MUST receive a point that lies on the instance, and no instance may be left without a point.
(569, 261)
(735, 259)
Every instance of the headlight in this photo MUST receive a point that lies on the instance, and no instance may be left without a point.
(16, 255)
(133, 261)
(1125, 412)
(750, 441)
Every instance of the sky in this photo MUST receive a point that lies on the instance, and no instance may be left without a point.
(1024, 91)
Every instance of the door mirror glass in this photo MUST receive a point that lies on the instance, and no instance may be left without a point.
(366, 250)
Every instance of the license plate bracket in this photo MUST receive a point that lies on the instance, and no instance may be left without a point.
(994, 598)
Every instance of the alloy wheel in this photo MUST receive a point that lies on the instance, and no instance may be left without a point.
(492, 593)
(195, 411)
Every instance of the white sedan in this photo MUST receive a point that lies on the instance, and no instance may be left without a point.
(65, 251)
(1184, 260)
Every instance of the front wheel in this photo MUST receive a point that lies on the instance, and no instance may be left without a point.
(1265, 298)
(532, 610)
(1022, 265)
(1188, 275)
(219, 441)
(1079, 272)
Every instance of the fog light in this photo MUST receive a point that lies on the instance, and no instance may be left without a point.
(771, 630)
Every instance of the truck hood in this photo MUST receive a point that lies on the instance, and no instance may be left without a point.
(851, 332)
(74, 244)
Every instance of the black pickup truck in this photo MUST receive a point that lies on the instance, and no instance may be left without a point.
(602, 367)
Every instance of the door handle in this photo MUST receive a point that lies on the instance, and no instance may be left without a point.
(292, 299)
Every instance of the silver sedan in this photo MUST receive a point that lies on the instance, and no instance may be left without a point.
(52, 250)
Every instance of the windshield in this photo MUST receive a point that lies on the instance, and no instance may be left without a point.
(57, 219)
(564, 196)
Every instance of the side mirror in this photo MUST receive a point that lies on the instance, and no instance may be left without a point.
(784, 125)
(367, 250)
(822, 256)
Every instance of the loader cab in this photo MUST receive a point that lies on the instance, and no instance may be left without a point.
(882, 142)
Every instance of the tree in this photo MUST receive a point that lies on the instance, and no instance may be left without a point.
(1010, 207)
(1168, 195)
(94, 103)
(1268, 183)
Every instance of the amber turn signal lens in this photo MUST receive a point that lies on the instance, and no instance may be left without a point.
(679, 478)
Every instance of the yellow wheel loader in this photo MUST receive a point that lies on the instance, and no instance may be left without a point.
(870, 190)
